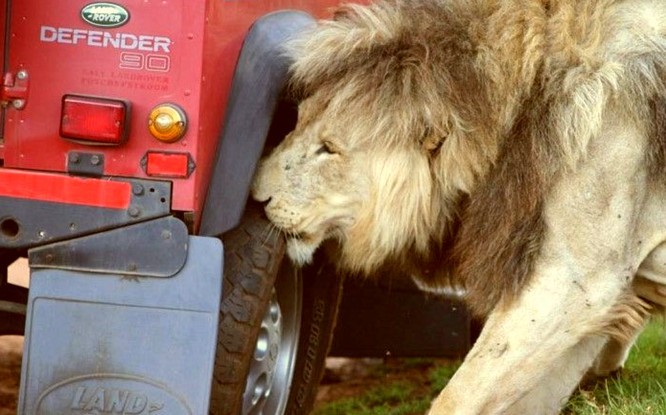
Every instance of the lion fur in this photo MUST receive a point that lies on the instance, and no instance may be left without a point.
(493, 100)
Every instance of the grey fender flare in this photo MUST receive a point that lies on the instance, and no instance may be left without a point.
(259, 79)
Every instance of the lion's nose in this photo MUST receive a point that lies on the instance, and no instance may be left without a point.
(259, 193)
(263, 200)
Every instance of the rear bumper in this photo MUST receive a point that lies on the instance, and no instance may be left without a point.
(39, 208)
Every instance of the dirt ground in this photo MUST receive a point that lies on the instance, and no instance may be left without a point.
(10, 370)
(10, 349)
(344, 377)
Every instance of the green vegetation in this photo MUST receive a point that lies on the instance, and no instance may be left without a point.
(399, 397)
(641, 388)
(393, 399)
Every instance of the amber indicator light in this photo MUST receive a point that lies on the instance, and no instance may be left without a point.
(167, 122)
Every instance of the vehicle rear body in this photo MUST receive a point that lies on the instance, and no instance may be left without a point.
(179, 52)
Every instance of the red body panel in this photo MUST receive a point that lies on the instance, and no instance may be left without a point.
(179, 51)
(3, 27)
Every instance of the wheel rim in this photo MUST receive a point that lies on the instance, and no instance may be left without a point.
(272, 365)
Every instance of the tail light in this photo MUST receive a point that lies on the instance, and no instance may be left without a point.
(94, 120)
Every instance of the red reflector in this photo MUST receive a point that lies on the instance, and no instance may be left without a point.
(168, 164)
(64, 189)
(93, 120)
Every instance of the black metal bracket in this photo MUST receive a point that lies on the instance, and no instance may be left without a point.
(156, 248)
(85, 164)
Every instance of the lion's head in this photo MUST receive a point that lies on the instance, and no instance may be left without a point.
(396, 125)
(329, 179)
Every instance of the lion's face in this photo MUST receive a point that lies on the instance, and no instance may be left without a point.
(314, 185)
(332, 177)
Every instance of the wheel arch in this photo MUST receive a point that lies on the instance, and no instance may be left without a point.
(258, 83)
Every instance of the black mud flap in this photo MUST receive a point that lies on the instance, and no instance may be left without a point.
(102, 343)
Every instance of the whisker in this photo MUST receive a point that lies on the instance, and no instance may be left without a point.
(272, 230)
(266, 236)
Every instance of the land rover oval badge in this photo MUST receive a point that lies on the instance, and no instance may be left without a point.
(105, 14)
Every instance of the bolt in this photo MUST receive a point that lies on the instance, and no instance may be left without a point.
(132, 267)
(166, 235)
(18, 104)
(95, 160)
(49, 258)
(133, 211)
(137, 189)
(22, 74)
(74, 158)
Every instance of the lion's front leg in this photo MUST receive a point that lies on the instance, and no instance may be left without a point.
(560, 382)
(532, 354)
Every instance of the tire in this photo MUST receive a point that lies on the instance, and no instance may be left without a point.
(276, 325)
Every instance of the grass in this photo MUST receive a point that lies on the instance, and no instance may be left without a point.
(641, 388)
(398, 397)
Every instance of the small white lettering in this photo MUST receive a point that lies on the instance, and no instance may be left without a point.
(104, 17)
(162, 43)
(146, 43)
(79, 35)
(96, 38)
(65, 36)
(48, 34)
(129, 42)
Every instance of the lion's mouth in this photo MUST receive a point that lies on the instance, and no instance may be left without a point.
(301, 246)
(296, 235)
(303, 238)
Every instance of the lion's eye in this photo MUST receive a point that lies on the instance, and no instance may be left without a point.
(326, 148)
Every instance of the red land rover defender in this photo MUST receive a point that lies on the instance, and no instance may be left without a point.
(131, 130)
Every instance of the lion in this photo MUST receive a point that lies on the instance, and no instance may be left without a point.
(513, 150)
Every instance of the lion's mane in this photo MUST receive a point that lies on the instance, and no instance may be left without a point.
(501, 96)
